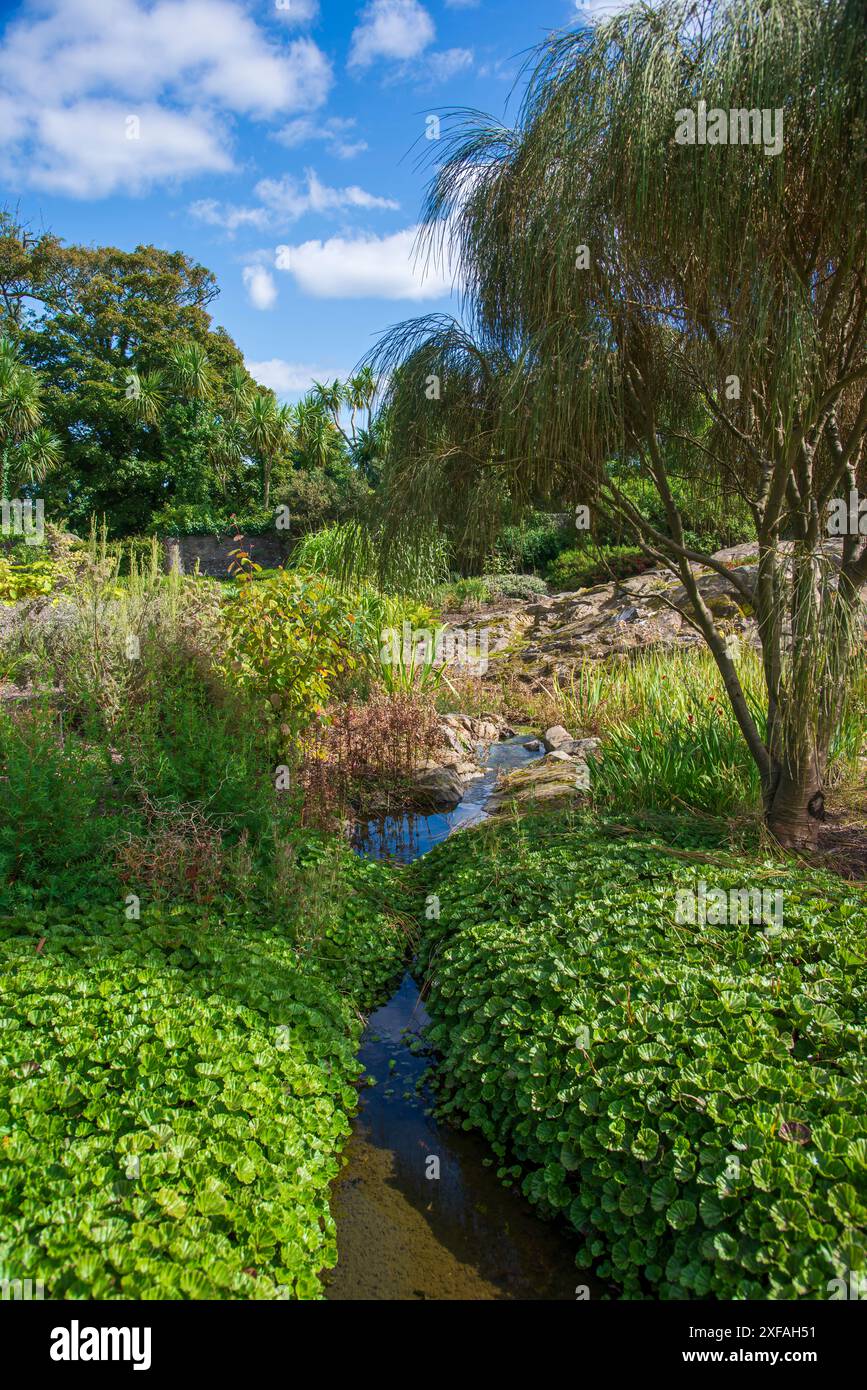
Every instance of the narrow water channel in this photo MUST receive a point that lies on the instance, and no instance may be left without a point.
(420, 1212)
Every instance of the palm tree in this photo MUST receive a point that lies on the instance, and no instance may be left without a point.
(625, 281)
(319, 439)
(237, 389)
(359, 393)
(331, 398)
(37, 455)
(268, 428)
(147, 394)
(227, 449)
(189, 372)
(28, 450)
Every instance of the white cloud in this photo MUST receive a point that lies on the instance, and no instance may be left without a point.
(594, 10)
(181, 66)
(297, 11)
(284, 201)
(94, 147)
(335, 133)
(447, 62)
(291, 378)
(229, 216)
(260, 287)
(288, 200)
(394, 29)
(359, 267)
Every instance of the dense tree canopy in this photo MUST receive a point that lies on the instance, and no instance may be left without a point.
(159, 426)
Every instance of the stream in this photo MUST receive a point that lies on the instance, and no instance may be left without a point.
(420, 1211)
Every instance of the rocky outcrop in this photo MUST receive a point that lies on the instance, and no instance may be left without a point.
(440, 782)
(561, 777)
(548, 637)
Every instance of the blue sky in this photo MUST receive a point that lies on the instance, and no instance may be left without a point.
(275, 141)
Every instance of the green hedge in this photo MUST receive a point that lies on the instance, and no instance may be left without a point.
(174, 1094)
(708, 1135)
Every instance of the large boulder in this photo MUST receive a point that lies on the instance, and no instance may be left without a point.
(557, 737)
(436, 789)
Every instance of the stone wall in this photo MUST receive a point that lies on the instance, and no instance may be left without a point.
(214, 552)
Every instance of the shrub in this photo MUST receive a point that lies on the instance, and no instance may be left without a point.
(535, 542)
(59, 810)
(365, 749)
(25, 579)
(292, 640)
(707, 1133)
(520, 586)
(580, 569)
(464, 594)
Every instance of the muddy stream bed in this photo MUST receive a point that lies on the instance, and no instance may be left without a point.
(402, 1234)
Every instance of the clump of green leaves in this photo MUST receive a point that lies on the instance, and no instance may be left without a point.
(290, 638)
(690, 1098)
(25, 579)
(174, 1098)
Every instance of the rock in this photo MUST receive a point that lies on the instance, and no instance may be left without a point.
(559, 755)
(436, 788)
(532, 745)
(585, 748)
(557, 778)
(556, 737)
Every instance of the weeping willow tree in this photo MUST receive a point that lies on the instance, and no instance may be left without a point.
(664, 266)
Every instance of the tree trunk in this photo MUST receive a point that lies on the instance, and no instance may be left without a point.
(796, 808)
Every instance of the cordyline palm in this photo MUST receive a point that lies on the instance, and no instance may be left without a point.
(238, 391)
(227, 449)
(717, 333)
(330, 397)
(358, 393)
(147, 394)
(319, 439)
(189, 371)
(268, 429)
(28, 450)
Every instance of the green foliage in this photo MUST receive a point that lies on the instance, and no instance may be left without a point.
(58, 810)
(582, 568)
(707, 1134)
(291, 639)
(534, 542)
(669, 736)
(100, 317)
(211, 519)
(348, 554)
(519, 586)
(173, 1098)
(488, 588)
(666, 763)
(25, 579)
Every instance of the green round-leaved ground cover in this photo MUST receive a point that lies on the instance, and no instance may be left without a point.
(691, 1099)
(174, 1097)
